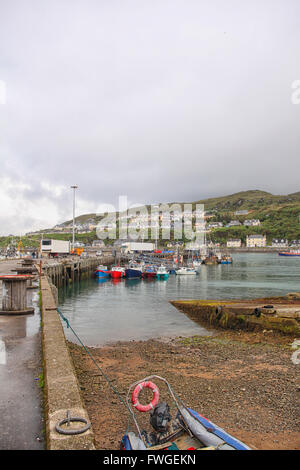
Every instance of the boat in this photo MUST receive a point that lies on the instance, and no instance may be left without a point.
(149, 272)
(117, 272)
(226, 260)
(187, 430)
(197, 264)
(185, 271)
(102, 271)
(289, 253)
(162, 273)
(133, 271)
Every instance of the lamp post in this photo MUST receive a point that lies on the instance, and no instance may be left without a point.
(74, 187)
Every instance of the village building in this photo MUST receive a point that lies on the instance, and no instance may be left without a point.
(256, 241)
(234, 243)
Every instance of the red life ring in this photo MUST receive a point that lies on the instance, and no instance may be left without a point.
(136, 392)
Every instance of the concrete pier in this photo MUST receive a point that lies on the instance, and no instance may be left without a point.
(281, 314)
(61, 390)
(62, 272)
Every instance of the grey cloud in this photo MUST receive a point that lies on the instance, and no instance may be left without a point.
(166, 101)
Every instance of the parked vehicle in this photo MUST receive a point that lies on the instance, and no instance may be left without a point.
(55, 247)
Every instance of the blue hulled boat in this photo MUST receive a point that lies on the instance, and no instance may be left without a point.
(133, 271)
(102, 271)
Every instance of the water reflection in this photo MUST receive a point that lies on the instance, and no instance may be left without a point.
(16, 327)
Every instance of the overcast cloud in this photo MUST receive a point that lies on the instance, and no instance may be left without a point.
(161, 100)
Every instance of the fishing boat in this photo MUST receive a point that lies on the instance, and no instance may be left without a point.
(184, 271)
(186, 430)
(102, 271)
(133, 271)
(149, 271)
(289, 253)
(162, 273)
(117, 272)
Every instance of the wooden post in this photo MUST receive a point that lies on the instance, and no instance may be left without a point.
(14, 300)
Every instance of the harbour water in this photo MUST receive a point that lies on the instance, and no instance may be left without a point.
(102, 311)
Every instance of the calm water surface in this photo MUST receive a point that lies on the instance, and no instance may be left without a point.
(105, 311)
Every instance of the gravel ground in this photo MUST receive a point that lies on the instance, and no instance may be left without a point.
(244, 382)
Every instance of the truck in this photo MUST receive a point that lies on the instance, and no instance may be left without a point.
(131, 247)
(55, 247)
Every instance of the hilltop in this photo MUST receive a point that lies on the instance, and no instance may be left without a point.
(249, 200)
(252, 200)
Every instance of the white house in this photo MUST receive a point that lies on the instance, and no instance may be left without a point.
(252, 223)
(280, 243)
(256, 241)
(234, 243)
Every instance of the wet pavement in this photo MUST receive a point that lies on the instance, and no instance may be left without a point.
(21, 407)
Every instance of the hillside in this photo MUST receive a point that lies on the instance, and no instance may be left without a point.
(253, 200)
(279, 216)
(249, 200)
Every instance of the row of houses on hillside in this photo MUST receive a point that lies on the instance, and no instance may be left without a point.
(260, 241)
(235, 223)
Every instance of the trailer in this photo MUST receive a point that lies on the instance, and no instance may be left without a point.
(131, 247)
(53, 247)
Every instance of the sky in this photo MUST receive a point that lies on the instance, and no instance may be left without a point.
(158, 101)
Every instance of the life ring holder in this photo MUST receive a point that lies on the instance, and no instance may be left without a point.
(135, 396)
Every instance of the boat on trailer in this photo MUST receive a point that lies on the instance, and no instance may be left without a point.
(188, 430)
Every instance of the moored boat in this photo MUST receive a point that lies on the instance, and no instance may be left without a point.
(186, 430)
(133, 271)
(117, 272)
(184, 271)
(289, 253)
(102, 271)
(162, 273)
(149, 272)
(226, 260)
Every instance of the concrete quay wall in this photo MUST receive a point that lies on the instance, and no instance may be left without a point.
(61, 387)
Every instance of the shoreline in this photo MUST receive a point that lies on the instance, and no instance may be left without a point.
(243, 381)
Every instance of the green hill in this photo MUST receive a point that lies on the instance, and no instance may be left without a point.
(279, 216)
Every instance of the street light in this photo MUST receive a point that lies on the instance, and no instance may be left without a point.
(74, 187)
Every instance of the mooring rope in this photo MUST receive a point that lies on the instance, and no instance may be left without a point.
(99, 368)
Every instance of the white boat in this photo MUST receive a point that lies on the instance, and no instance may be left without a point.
(186, 271)
(197, 265)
